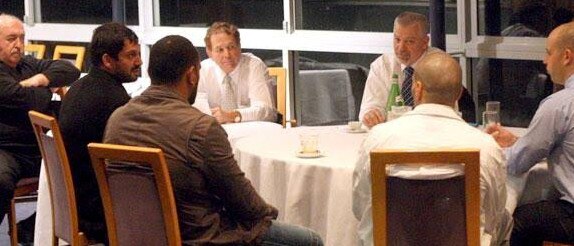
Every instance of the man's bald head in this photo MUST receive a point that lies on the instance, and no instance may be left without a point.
(437, 80)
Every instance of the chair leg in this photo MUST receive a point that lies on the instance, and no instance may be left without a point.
(12, 228)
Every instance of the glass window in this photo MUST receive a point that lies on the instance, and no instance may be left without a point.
(519, 85)
(85, 11)
(369, 16)
(260, 14)
(12, 7)
(329, 87)
(525, 18)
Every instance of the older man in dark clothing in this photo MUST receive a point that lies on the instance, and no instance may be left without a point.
(25, 84)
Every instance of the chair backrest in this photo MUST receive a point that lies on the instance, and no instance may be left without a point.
(37, 50)
(469, 158)
(281, 77)
(137, 195)
(60, 183)
(78, 51)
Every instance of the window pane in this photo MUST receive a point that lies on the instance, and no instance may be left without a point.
(519, 85)
(255, 14)
(85, 11)
(522, 18)
(329, 87)
(12, 7)
(369, 16)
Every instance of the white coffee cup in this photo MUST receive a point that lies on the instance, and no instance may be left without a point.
(354, 125)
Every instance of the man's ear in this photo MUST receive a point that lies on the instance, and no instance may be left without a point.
(417, 89)
(193, 76)
(568, 56)
(107, 61)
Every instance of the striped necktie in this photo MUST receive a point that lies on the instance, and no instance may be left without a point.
(406, 88)
(228, 101)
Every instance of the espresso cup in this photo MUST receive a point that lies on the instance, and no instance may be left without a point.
(354, 125)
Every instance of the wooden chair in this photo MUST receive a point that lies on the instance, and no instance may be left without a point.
(37, 50)
(548, 243)
(25, 192)
(137, 195)
(380, 159)
(63, 200)
(281, 76)
(78, 51)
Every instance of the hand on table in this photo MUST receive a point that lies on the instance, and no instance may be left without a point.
(373, 118)
(223, 116)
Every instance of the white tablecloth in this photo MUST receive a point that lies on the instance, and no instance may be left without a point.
(43, 229)
(316, 193)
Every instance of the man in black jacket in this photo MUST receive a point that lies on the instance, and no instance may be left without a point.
(25, 84)
(115, 57)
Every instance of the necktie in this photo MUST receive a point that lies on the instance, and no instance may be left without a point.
(228, 102)
(406, 88)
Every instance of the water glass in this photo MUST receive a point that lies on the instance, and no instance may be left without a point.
(398, 111)
(490, 118)
(493, 106)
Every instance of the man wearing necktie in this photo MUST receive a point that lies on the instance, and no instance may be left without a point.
(236, 83)
(410, 44)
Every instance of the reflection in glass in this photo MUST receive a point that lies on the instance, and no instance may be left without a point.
(85, 11)
(370, 16)
(525, 18)
(519, 85)
(261, 14)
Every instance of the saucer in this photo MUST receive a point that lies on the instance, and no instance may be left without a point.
(316, 154)
(360, 130)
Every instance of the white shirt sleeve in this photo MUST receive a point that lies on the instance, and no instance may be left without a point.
(377, 85)
(258, 105)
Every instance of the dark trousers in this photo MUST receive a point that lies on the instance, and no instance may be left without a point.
(543, 221)
(13, 167)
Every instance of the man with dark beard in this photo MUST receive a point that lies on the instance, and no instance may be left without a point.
(115, 57)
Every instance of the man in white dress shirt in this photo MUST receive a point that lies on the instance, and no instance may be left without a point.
(434, 124)
(411, 43)
(236, 83)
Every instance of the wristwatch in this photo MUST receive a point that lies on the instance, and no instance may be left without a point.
(237, 118)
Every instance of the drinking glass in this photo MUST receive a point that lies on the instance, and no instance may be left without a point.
(493, 106)
(490, 118)
(309, 142)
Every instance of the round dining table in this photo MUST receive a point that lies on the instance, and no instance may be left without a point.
(314, 191)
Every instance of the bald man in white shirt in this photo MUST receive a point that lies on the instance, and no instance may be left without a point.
(435, 124)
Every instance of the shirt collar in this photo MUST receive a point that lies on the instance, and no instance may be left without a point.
(435, 110)
(569, 82)
(163, 91)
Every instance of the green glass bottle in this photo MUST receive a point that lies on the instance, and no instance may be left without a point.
(394, 94)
